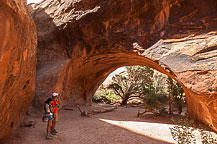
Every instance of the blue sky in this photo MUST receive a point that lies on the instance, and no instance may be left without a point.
(117, 71)
(33, 1)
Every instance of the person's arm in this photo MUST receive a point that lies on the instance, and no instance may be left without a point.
(51, 108)
(59, 101)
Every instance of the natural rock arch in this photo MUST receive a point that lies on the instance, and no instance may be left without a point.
(81, 42)
(18, 42)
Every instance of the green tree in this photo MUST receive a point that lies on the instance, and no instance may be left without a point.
(170, 91)
(175, 93)
(133, 84)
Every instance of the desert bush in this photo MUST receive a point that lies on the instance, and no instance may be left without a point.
(104, 95)
(162, 111)
(153, 100)
(184, 133)
(176, 95)
(112, 97)
(206, 136)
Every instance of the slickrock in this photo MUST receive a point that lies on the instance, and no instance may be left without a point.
(18, 42)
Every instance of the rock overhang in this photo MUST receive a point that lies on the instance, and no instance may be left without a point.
(177, 38)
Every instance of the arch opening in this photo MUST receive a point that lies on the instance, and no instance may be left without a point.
(141, 86)
(91, 74)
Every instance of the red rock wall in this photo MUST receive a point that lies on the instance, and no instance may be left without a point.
(81, 42)
(17, 63)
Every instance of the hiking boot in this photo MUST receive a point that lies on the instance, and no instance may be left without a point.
(53, 133)
(49, 137)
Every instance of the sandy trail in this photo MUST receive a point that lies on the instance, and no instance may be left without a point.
(118, 127)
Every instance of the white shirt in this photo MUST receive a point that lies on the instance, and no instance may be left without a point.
(47, 106)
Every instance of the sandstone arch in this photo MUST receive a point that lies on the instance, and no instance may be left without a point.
(17, 63)
(81, 42)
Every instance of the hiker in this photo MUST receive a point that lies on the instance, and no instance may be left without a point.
(55, 104)
(49, 112)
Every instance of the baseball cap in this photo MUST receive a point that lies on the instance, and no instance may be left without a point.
(55, 94)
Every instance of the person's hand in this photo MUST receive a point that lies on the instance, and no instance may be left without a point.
(59, 101)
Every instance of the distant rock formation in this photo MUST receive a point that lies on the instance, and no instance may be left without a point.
(81, 41)
(18, 41)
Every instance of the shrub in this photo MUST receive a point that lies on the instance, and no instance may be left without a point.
(96, 98)
(104, 95)
(154, 101)
(162, 110)
(206, 136)
(184, 133)
(112, 97)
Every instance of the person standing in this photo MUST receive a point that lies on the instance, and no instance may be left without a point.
(55, 103)
(49, 115)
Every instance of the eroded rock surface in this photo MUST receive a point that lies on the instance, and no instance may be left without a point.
(82, 41)
(17, 63)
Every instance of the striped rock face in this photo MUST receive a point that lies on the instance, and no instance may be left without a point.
(18, 41)
(81, 41)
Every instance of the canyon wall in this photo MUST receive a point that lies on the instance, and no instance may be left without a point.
(18, 42)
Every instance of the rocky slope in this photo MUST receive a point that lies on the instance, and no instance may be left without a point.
(81, 41)
(18, 41)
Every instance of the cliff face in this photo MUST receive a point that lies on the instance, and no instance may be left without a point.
(17, 63)
(81, 41)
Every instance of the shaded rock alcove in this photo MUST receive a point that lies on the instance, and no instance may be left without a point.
(18, 42)
(80, 42)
